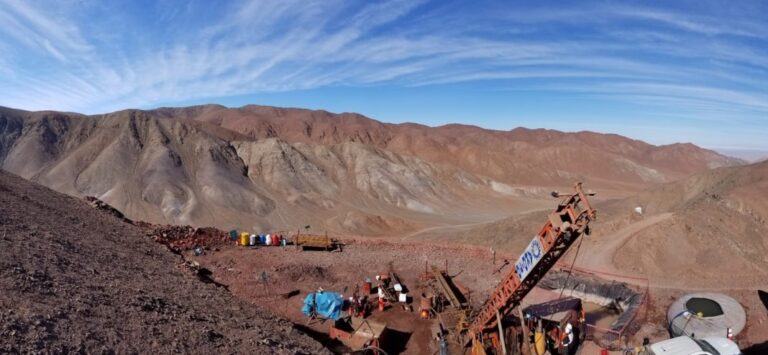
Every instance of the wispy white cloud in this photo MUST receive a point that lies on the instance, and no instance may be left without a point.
(675, 62)
(32, 28)
(708, 26)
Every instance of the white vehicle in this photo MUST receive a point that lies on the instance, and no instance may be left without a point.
(684, 345)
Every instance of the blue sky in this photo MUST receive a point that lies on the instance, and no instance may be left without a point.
(660, 71)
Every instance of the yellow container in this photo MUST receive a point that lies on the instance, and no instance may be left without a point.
(244, 238)
(540, 342)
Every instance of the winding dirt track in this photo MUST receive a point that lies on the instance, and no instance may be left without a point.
(443, 228)
(601, 254)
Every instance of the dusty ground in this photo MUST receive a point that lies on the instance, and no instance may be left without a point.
(289, 269)
(78, 280)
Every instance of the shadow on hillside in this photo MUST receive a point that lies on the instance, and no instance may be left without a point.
(763, 298)
(333, 345)
(757, 349)
(396, 341)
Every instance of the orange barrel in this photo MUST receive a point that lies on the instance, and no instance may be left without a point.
(424, 314)
(426, 302)
(367, 287)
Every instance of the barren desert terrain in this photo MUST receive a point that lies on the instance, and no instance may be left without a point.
(400, 198)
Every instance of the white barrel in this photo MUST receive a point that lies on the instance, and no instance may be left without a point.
(269, 239)
(402, 297)
(253, 239)
(398, 287)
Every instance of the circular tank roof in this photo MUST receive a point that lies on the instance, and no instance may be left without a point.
(706, 314)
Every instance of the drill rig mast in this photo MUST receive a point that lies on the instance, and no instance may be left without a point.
(563, 227)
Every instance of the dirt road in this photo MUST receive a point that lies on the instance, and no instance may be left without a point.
(601, 253)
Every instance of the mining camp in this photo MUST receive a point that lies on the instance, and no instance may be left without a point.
(389, 177)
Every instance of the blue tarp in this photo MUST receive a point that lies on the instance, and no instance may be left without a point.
(327, 304)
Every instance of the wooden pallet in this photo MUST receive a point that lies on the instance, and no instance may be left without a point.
(314, 241)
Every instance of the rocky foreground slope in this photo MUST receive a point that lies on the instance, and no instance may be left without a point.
(75, 279)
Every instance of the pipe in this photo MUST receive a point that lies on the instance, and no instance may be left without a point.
(669, 327)
(501, 333)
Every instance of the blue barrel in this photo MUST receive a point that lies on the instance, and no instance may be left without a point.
(262, 239)
(233, 235)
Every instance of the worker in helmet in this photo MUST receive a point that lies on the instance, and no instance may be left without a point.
(568, 339)
(361, 306)
(568, 335)
(351, 307)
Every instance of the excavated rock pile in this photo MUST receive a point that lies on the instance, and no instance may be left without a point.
(176, 238)
(181, 238)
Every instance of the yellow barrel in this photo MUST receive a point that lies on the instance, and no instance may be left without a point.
(244, 238)
(539, 342)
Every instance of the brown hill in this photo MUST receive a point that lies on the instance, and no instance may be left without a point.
(520, 156)
(704, 229)
(697, 232)
(189, 172)
(77, 280)
(264, 168)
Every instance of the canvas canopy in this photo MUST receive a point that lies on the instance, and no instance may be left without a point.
(323, 304)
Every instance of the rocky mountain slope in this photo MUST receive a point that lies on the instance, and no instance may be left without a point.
(78, 280)
(696, 232)
(715, 229)
(267, 169)
(519, 156)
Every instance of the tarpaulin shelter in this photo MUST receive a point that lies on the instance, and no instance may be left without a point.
(324, 304)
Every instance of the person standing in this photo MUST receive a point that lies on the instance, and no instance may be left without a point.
(382, 304)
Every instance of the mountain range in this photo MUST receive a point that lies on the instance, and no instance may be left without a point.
(267, 169)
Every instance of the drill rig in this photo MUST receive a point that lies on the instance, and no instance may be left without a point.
(563, 227)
